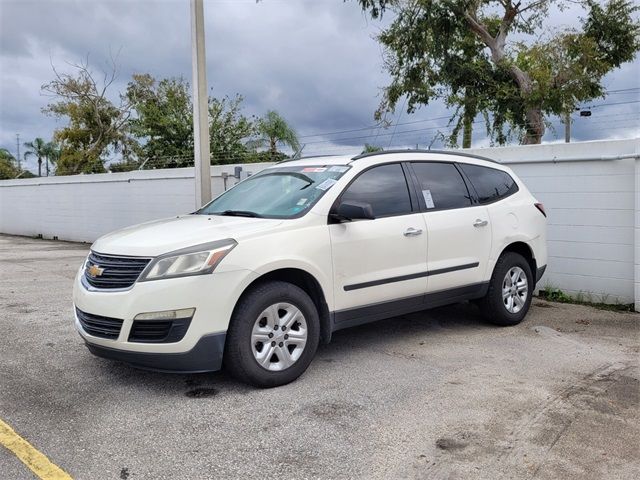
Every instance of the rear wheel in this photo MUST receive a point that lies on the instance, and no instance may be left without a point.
(510, 289)
(273, 335)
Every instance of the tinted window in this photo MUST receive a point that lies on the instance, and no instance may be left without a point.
(490, 184)
(384, 187)
(442, 185)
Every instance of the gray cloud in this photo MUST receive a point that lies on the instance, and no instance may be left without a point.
(314, 61)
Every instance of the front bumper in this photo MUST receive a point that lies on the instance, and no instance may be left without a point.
(205, 356)
(213, 296)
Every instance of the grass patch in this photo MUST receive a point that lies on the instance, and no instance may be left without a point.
(554, 294)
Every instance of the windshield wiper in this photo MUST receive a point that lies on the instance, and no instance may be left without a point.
(239, 213)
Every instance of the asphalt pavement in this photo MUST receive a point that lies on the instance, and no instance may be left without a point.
(437, 394)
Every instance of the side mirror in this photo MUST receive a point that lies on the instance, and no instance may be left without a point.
(348, 211)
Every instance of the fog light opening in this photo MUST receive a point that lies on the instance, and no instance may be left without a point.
(166, 314)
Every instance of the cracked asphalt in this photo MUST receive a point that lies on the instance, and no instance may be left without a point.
(438, 394)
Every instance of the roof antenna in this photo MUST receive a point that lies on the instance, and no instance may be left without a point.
(298, 153)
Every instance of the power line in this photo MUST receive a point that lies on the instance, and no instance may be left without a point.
(395, 127)
(622, 90)
(338, 132)
(414, 133)
(552, 125)
(612, 104)
(372, 127)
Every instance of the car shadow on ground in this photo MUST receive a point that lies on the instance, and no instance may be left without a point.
(416, 328)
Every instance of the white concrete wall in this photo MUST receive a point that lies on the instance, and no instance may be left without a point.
(593, 210)
(84, 207)
(637, 237)
(593, 206)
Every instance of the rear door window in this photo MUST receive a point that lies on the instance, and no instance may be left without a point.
(490, 184)
(442, 187)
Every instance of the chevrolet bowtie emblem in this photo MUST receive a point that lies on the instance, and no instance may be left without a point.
(95, 270)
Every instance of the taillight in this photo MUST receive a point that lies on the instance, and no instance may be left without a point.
(540, 207)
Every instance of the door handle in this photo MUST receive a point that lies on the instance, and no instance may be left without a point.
(480, 223)
(412, 232)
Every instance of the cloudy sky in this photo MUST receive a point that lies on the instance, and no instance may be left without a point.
(315, 61)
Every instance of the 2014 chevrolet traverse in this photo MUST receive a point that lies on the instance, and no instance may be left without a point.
(259, 276)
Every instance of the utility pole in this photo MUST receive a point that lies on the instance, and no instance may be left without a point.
(201, 156)
(18, 150)
(567, 127)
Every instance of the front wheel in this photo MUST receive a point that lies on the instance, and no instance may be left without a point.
(273, 335)
(510, 290)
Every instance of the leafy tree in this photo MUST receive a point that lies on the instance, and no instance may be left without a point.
(264, 156)
(97, 126)
(37, 148)
(460, 51)
(368, 148)
(229, 130)
(124, 166)
(273, 130)
(163, 121)
(163, 118)
(8, 168)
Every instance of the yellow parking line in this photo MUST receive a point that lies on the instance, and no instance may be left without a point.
(32, 458)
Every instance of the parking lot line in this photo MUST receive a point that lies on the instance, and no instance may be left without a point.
(29, 455)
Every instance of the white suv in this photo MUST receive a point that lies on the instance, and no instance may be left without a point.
(267, 270)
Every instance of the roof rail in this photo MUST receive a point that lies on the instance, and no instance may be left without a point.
(410, 150)
(303, 158)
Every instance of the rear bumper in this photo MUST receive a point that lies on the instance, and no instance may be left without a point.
(540, 272)
(205, 356)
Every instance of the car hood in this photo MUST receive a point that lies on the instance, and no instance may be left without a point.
(162, 236)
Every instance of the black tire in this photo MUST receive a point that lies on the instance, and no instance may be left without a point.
(239, 358)
(492, 305)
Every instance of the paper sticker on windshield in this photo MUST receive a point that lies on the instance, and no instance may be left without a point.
(313, 169)
(302, 201)
(428, 199)
(328, 183)
(338, 168)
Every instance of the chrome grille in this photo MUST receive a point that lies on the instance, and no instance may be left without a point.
(117, 271)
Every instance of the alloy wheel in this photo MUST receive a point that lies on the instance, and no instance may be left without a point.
(279, 336)
(515, 290)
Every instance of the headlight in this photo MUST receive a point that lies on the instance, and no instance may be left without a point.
(198, 260)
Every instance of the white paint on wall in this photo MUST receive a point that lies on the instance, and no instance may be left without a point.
(637, 237)
(85, 207)
(593, 213)
(593, 208)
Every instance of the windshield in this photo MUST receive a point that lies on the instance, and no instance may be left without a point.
(279, 192)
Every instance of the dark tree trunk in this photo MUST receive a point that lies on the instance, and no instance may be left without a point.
(535, 127)
(466, 133)
(39, 167)
(533, 117)
(467, 123)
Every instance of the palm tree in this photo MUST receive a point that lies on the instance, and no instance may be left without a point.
(273, 129)
(52, 154)
(38, 149)
(6, 155)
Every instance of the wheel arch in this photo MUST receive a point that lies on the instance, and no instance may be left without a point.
(526, 251)
(307, 282)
